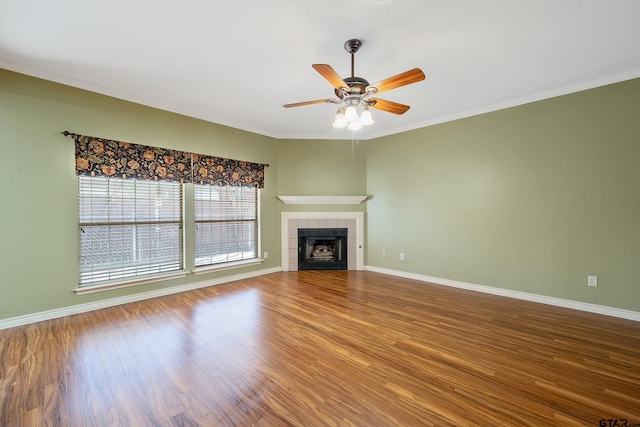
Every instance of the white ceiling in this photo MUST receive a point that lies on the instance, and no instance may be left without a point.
(236, 62)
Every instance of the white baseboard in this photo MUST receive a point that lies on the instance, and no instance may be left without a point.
(576, 305)
(83, 308)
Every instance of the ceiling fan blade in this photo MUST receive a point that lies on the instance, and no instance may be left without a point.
(317, 101)
(402, 79)
(388, 106)
(330, 74)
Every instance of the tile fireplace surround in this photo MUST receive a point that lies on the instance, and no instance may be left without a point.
(353, 221)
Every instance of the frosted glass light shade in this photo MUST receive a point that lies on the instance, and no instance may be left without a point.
(340, 121)
(351, 114)
(365, 117)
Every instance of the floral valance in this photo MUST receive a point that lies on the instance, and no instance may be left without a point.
(105, 157)
(220, 171)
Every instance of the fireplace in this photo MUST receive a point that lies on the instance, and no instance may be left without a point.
(322, 248)
(291, 222)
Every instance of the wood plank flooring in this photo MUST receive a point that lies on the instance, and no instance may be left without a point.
(333, 348)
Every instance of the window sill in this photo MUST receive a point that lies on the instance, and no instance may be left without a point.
(227, 266)
(89, 289)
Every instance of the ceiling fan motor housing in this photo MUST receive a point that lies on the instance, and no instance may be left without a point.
(357, 85)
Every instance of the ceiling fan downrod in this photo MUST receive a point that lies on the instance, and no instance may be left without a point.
(352, 46)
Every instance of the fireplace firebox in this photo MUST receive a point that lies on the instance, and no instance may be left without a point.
(322, 248)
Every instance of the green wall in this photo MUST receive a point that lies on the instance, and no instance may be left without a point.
(38, 210)
(533, 198)
(322, 168)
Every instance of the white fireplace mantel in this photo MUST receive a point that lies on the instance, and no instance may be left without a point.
(322, 200)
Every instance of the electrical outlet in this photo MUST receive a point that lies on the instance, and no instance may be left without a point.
(266, 255)
(401, 256)
(592, 281)
(384, 253)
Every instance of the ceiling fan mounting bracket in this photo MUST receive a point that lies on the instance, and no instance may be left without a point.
(352, 46)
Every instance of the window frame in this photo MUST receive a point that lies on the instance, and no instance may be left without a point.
(200, 268)
(188, 240)
(137, 272)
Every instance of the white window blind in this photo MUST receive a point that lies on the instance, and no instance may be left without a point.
(128, 228)
(226, 224)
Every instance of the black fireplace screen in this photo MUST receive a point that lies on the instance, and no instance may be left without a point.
(322, 249)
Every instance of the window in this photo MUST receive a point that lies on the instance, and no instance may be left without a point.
(128, 228)
(131, 212)
(226, 222)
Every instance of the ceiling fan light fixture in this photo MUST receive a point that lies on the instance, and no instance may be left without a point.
(365, 118)
(351, 114)
(340, 121)
(356, 125)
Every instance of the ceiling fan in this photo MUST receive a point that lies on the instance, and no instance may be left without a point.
(356, 92)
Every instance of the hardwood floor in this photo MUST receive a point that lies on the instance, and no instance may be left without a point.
(332, 348)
